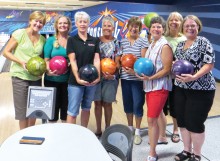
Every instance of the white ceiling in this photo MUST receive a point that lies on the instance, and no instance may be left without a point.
(59, 5)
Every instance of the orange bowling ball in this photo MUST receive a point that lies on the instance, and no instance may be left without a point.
(108, 66)
(128, 60)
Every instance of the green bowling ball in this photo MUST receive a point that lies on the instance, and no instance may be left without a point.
(36, 66)
(148, 18)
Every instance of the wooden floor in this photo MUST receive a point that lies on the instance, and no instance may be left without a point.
(8, 125)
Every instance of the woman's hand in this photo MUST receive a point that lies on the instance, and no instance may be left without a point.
(142, 77)
(129, 70)
(108, 76)
(185, 78)
(51, 73)
(23, 64)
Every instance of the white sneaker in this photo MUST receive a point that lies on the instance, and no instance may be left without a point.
(137, 139)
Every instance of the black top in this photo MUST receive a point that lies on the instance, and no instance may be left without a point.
(84, 52)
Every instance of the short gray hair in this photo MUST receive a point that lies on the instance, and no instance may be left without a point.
(81, 14)
(109, 19)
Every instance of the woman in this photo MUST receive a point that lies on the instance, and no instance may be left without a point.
(158, 85)
(194, 93)
(82, 49)
(107, 88)
(132, 87)
(173, 36)
(24, 44)
(56, 46)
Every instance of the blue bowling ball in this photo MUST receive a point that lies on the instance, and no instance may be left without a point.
(182, 67)
(144, 66)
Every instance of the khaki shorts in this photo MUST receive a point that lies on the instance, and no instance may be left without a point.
(20, 95)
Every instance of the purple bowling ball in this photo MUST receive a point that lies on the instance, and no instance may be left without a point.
(182, 67)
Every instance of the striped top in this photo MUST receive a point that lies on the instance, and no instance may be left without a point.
(135, 49)
(154, 54)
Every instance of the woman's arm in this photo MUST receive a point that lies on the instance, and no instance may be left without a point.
(96, 63)
(189, 77)
(143, 52)
(167, 59)
(8, 52)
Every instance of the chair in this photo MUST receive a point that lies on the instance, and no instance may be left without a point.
(118, 140)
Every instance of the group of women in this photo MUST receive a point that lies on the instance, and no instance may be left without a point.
(188, 97)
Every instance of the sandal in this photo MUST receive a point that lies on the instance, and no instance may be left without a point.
(195, 158)
(150, 158)
(184, 155)
(175, 138)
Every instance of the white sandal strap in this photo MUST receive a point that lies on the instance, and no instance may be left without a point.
(150, 158)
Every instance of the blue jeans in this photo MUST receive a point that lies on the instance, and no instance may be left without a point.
(133, 96)
(79, 96)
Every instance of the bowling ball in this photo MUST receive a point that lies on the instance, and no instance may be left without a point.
(148, 18)
(58, 63)
(108, 66)
(36, 66)
(182, 67)
(128, 60)
(88, 73)
(145, 66)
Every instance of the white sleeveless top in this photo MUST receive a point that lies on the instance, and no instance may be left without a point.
(154, 54)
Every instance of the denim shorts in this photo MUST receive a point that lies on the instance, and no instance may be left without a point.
(79, 96)
(133, 96)
(106, 91)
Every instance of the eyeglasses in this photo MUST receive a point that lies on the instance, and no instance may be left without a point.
(188, 26)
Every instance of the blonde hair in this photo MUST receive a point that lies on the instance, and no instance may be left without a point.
(56, 43)
(179, 17)
(38, 15)
(194, 18)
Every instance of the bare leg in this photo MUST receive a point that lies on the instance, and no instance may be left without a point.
(108, 113)
(130, 119)
(175, 136)
(98, 116)
(162, 123)
(71, 119)
(153, 135)
(197, 140)
(31, 121)
(138, 122)
(187, 142)
(23, 124)
(85, 114)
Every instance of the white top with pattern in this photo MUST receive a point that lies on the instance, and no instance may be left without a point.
(200, 53)
(154, 54)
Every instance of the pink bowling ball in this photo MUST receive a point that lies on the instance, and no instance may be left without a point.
(58, 63)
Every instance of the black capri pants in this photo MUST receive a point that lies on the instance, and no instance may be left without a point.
(192, 108)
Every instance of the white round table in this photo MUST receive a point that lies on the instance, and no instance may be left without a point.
(63, 142)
